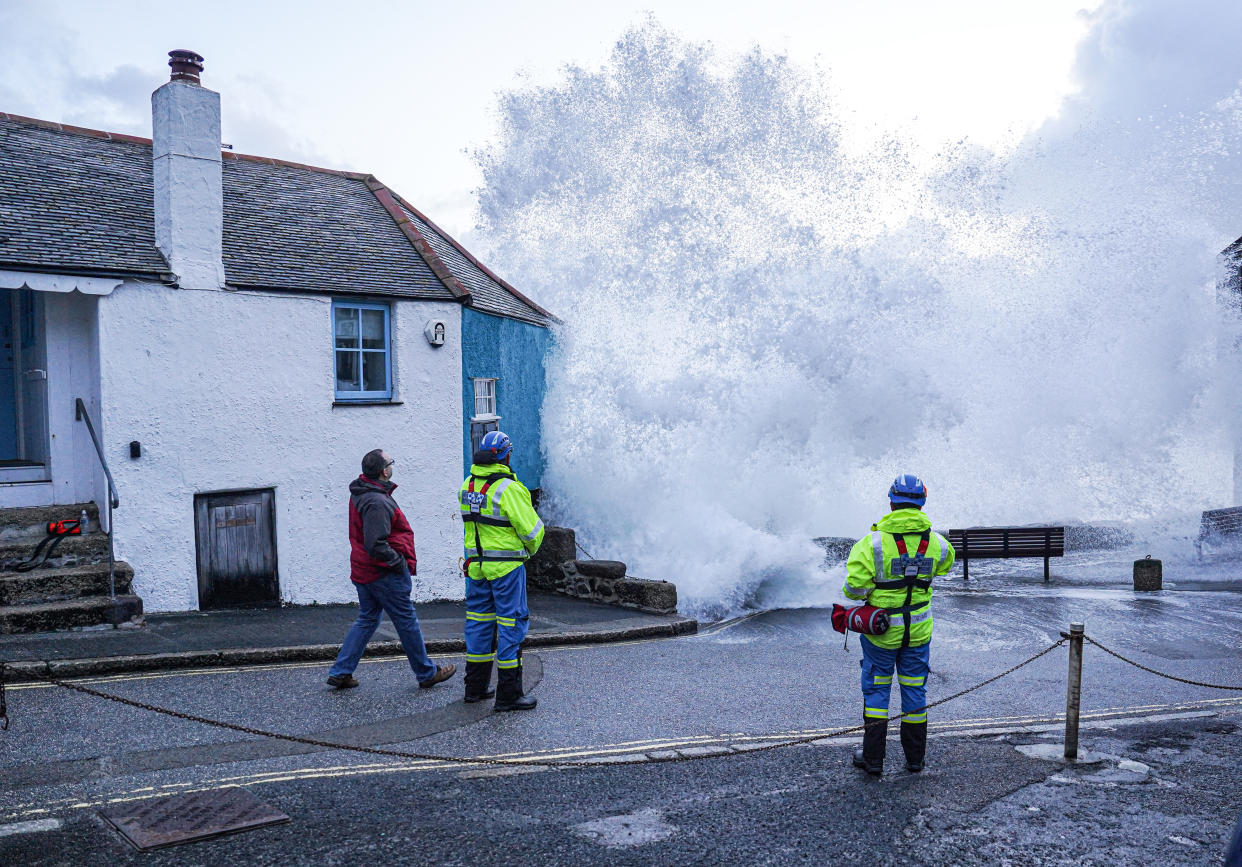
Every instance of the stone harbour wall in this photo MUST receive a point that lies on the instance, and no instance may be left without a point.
(555, 569)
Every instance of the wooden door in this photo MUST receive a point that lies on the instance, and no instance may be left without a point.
(236, 537)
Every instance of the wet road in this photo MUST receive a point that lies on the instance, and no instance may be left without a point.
(743, 683)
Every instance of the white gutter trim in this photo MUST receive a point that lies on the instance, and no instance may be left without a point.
(58, 283)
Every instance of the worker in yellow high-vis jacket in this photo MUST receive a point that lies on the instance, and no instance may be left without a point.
(502, 531)
(892, 568)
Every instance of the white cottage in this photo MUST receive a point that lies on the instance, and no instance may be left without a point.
(239, 331)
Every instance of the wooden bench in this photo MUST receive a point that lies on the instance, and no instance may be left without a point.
(989, 543)
(1217, 525)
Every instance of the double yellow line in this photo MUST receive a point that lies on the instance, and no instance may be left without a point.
(734, 741)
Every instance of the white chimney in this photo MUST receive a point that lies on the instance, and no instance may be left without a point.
(189, 196)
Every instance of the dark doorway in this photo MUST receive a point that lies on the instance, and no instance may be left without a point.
(23, 386)
(236, 537)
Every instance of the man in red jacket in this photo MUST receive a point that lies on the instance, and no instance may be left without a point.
(381, 562)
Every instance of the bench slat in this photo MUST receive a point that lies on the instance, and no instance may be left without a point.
(1008, 542)
(1220, 522)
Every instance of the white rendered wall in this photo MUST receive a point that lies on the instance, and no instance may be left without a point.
(231, 391)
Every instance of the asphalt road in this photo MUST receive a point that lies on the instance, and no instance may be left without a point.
(1167, 787)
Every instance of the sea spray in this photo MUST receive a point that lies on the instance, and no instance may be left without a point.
(763, 326)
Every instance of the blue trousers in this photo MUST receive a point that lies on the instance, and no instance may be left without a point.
(911, 665)
(497, 610)
(389, 593)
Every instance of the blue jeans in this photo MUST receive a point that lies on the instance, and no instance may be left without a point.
(389, 593)
(497, 608)
(1233, 858)
(911, 665)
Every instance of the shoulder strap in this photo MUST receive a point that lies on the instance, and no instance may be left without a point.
(474, 511)
(910, 579)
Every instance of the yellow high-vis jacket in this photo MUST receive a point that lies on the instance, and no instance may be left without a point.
(875, 574)
(501, 527)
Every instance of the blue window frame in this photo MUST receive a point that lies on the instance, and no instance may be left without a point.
(362, 350)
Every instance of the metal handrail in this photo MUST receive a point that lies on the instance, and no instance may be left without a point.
(114, 499)
(82, 415)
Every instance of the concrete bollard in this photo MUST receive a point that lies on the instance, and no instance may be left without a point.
(1148, 574)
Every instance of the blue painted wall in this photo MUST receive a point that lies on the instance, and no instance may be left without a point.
(513, 353)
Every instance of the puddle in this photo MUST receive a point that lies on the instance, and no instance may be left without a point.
(632, 829)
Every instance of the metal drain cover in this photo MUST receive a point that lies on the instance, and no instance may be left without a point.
(159, 822)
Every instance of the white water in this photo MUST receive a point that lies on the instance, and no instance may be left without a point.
(762, 327)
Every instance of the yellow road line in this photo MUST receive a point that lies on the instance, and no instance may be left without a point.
(628, 748)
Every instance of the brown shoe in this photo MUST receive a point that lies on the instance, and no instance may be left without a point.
(443, 673)
(342, 681)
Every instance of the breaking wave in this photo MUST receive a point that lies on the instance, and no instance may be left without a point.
(764, 324)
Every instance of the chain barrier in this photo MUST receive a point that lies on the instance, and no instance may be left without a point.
(4, 715)
(1158, 673)
(480, 760)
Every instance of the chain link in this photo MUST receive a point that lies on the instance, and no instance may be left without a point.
(1158, 673)
(4, 715)
(480, 760)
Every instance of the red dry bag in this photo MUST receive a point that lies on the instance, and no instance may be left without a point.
(865, 618)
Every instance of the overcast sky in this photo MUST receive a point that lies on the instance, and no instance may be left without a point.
(405, 90)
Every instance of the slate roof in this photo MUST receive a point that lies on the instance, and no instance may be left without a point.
(490, 293)
(80, 201)
(69, 201)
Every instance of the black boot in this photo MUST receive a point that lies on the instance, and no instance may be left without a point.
(871, 757)
(914, 742)
(509, 691)
(478, 677)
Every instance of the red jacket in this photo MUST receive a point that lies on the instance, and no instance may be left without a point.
(380, 538)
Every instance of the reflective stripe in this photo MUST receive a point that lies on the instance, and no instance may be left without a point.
(944, 550)
(495, 556)
(506, 621)
(916, 718)
(919, 618)
(507, 663)
(480, 657)
(533, 533)
(480, 616)
(882, 680)
(877, 552)
(911, 681)
(875, 712)
(849, 592)
(497, 491)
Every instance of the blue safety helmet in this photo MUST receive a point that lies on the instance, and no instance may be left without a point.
(908, 488)
(498, 443)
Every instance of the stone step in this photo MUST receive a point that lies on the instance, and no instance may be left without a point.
(31, 523)
(70, 551)
(56, 585)
(56, 616)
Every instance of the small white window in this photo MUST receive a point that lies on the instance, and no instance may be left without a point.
(485, 400)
